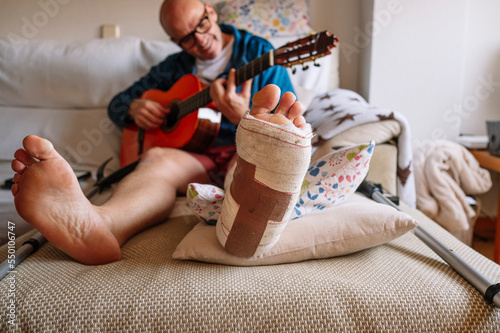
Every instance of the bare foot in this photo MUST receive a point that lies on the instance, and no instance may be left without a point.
(48, 196)
(289, 109)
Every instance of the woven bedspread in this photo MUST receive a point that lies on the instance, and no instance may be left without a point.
(400, 286)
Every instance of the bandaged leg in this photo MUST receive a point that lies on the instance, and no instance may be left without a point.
(271, 164)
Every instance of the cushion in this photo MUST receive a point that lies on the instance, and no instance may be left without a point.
(379, 131)
(333, 178)
(354, 225)
(74, 74)
(87, 74)
(84, 137)
(267, 18)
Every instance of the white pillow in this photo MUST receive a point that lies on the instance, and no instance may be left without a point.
(358, 223)
(84, 137)
(83, 74)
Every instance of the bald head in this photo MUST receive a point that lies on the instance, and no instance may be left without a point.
(175, 12)
(181, 19)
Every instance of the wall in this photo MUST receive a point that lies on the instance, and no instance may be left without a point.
(416, 64)
(344, 19)
(437, 62)
(51, 19)
(481, 87)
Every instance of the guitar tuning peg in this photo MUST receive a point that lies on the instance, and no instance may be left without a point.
(294, 70)
(316, 64)
(305, 67)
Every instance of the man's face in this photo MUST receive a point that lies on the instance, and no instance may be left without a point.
(194, 27)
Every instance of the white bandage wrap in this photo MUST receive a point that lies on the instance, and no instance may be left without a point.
(267, 179)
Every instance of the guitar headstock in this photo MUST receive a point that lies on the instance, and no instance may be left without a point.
(305, 49)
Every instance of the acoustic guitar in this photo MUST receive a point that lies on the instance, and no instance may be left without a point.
(192, 126)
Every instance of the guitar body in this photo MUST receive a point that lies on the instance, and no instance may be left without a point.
(191, 132)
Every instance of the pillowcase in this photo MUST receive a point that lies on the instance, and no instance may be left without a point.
(267, 18)
(84, 137)
(358, 223)
(74, 74)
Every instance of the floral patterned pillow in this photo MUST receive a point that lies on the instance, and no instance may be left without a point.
(333, 178)
(266, 18)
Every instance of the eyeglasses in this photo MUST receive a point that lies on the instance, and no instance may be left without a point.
(189, 40)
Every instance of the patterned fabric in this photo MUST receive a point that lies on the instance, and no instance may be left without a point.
(333, 178)
(340, 109)
(267, 18)
(205, 200)
(401, 286)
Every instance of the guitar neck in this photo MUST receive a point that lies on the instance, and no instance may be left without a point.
(244, 73)
(254, 67)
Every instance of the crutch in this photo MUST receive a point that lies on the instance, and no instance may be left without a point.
(37, 240)
(490, 291)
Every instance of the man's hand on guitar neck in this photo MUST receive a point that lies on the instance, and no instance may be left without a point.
(232, 104)
(147, 114)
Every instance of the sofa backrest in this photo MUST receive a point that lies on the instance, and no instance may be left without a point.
(74, 74)
(87, 74)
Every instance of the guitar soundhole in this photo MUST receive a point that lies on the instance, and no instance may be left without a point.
(172, 118)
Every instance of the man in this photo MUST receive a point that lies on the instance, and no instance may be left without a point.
(209, 51)
(93, 235)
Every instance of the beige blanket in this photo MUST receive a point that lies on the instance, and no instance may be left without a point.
(445, 174)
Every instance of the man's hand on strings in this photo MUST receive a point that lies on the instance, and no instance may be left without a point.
(232, 104)
(147, 114)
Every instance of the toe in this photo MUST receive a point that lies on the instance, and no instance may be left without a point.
(14, 189)
(265, 100)
(39, 148)
(18, 166)
(287, 100)
(299, 122)
(24, 157)
(17, 178)
(295, 111)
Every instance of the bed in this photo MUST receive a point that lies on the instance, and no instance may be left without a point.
(355, 268)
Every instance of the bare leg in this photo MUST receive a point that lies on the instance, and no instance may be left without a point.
(48, 196)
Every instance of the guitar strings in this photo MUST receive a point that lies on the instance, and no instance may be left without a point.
(244, 73)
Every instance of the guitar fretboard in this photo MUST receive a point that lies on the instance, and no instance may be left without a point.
(248, 71)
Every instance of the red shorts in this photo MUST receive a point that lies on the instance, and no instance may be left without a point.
(216, 161)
